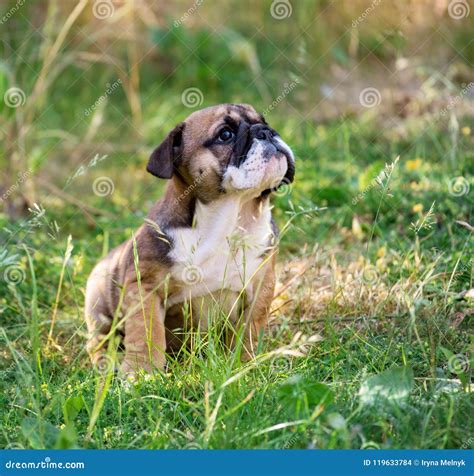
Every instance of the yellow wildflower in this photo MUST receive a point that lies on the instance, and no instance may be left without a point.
(466, 130)
(418, 208)
(413, 164)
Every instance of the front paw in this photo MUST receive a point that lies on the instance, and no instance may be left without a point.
(132, 366)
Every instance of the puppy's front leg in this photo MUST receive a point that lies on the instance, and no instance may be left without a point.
(145, 341)
(257, 311)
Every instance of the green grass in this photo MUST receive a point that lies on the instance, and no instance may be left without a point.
(370, 343)
(404, 318)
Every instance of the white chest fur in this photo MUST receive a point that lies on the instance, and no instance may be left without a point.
(223, 249)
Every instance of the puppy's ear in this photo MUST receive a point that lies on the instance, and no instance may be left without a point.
(163, 158)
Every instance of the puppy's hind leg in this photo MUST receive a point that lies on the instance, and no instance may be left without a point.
(145, 333)
(258, 310)
(97, 315)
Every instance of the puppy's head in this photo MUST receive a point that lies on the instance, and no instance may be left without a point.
(224, 149)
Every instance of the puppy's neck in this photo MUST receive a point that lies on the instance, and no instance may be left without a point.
(184, 209)
(177, 205)
(221, 227)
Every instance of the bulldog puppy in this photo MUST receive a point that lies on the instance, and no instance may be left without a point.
(207, 247)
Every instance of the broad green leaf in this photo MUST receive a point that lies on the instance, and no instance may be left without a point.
(72, 407)
(67, 438)
(298, 393)
(394, 384)
(39, 433)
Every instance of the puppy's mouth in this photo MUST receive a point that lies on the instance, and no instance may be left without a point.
(261, 160)
(284, 151)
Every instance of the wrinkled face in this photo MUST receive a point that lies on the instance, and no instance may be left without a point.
(225, 149)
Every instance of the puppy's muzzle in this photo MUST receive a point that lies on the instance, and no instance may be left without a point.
(261, 132)
(273, 145)
(271, 142)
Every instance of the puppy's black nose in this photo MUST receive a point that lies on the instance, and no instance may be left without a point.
(261, 132)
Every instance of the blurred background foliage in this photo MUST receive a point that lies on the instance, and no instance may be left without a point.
(64, 55)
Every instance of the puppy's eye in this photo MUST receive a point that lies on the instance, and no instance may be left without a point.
(225, 135)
